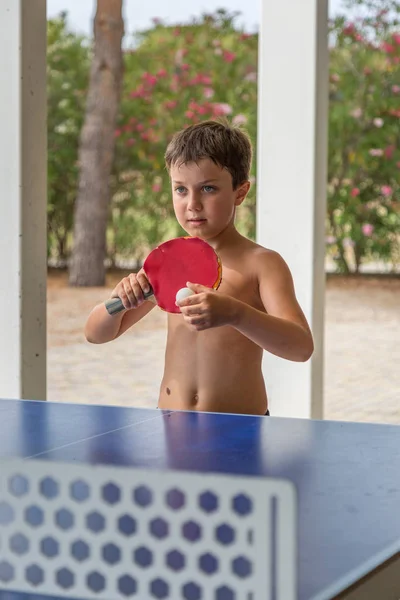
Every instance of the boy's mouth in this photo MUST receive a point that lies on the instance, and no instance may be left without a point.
(197, 220)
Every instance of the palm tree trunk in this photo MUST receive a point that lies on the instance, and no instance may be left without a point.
(97, 144)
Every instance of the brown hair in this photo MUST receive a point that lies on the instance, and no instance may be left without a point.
(226, 145)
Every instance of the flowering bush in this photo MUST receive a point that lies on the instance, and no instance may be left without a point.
(364, 137)
(179, 75)
(174, 77)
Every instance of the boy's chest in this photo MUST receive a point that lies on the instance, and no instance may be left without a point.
(240, 284)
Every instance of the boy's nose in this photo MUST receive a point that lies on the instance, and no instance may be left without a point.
(194, 201)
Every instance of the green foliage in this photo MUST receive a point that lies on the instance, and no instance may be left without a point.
(175, 76)
(68, 62)
(364, 137)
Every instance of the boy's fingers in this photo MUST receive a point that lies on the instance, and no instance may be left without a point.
(191, 300)
(127, 295)
(143, 281)
(197, 287)
(192, 310)
(137, 292)
(124, 299)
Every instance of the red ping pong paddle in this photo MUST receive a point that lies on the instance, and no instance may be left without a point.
(171, 265)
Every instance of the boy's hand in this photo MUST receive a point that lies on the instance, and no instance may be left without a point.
(207, 308)
(131, 289)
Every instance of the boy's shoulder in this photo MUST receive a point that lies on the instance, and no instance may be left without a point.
(260, 254)
(263, 261)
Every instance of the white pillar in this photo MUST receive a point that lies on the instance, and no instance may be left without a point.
(23, 168)
(291, 185)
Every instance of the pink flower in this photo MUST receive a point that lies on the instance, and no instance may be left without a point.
(356, 113)
(367, 229)
(376, 152)
(355, 192)
(239, 120)
(139, 127)
(349, 29)
(140, 92)
(208, 92)
(150, 79)
(162, 73)
(229, 56)
(389, 150)
(131, 142)
(378, 122)
(386, 190)
(185, 67)
(252, 77)
(396, 38)
(330, 239)
(222, 109)
(335, 77)
(170, 104)
(156, 188)
(200, 79)
(117, 132)
(388, 48)
(189, 114)
(396, 89)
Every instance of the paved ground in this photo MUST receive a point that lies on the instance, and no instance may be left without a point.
(362, 352)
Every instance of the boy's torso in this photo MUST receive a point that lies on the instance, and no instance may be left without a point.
(219, 369)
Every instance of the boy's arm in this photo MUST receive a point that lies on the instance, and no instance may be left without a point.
(102, 327)
(284, 330)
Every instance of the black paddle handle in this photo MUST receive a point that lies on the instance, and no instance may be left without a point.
(114, 305)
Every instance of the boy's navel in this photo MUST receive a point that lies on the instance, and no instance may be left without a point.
(168, 391)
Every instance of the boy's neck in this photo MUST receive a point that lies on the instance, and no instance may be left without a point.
(228, 237)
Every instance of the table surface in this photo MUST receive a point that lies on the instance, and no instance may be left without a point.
(347, 475)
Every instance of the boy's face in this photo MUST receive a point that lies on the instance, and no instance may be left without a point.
(204, 198)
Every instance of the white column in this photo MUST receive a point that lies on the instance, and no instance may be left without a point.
(23, 168)
(291, 185)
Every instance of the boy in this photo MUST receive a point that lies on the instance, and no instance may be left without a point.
(215, 346)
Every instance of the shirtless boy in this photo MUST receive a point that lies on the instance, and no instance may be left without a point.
(215, 346)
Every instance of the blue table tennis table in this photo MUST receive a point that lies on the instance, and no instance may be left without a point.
(347, 476)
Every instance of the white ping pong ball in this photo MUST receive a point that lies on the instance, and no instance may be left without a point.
(183, 293)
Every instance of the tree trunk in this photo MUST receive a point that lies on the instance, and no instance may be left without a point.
(96, 150)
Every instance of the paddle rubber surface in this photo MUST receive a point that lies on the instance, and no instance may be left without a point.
(172, 264)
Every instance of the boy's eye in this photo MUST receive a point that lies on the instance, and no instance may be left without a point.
(209, 188)
(180, 189)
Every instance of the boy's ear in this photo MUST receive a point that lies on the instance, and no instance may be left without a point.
(242, 192)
